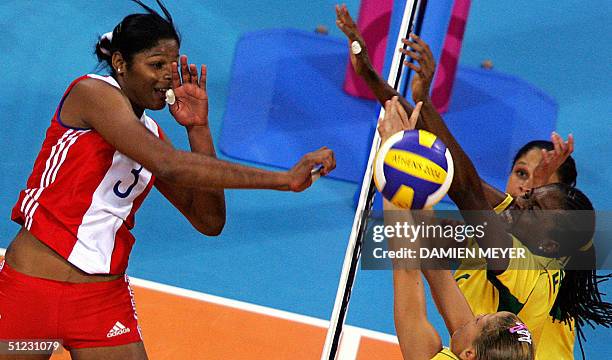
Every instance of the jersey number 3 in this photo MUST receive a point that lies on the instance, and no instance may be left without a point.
(127, 192)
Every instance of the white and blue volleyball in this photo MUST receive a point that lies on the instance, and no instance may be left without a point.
(413, 169)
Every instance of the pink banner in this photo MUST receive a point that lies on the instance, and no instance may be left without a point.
(447, 66)
(373, 23)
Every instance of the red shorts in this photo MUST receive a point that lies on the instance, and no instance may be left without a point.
(80, 315)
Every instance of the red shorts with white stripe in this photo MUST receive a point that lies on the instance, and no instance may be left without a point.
(80, 315)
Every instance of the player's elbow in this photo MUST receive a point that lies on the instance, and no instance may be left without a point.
(216, 226)
(212, 227)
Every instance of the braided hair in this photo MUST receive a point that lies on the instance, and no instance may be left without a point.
(579, 296)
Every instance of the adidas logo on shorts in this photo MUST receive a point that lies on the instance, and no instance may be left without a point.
(117, 330)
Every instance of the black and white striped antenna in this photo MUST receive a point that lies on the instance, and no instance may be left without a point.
(366, 198)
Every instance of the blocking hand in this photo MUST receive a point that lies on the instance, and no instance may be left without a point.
(396, 118)
(424, 68)
(361, 61)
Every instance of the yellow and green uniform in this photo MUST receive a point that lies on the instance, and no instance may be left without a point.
(557, 341)
(558, 338)
(528, 288)
(445, 354)
(530, 293)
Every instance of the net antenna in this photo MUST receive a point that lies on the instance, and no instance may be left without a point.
(366, 196)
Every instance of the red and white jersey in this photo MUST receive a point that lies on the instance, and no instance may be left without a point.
(82, 195)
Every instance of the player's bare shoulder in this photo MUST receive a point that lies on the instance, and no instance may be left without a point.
(96, 88)
(88, 99)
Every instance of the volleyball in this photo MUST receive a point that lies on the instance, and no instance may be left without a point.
(413, 169)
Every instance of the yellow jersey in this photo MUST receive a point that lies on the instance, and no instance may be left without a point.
(445, 354)
(557, 342)
(558, 338)
(530, 294)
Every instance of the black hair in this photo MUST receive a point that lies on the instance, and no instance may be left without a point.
(579, 297)
(576, 221)
(135, 33)
(567, 171)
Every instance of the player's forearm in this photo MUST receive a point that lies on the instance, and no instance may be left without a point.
(200, 140)
(381, 89)
(409, 295)
(417, 337)
(206, 203)
(493, 195)
(191, 170)
(466, 190)
(449, 300)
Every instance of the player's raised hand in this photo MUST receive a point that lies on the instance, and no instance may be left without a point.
(552, 160)
(424, 67)
(301, 177)
(357, 47)
(191, 105)
(396, 118)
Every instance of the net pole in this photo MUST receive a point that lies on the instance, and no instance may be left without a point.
(364, 206)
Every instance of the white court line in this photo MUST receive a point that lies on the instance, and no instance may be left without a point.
(349, 344)
(351, 335)
(258, 309)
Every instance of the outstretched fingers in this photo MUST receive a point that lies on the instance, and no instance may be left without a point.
(570, 143)
(414, 67)
(422, 46)
(343, 15)
(419, 54)
(188, 73)
(203, 74)
(193, 74)
(547, 157)
(403, 115)
(186, 76)
(557, 144)
(414, 117)
(562, 149)
(394, 120)
(389, 113)
(176, 78)
(345, 23)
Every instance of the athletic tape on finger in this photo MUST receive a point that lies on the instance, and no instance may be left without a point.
(170, 97)
(315, 173)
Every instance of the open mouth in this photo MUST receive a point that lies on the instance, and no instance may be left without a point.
(161, 94)
(166, 94)
(162, 90)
